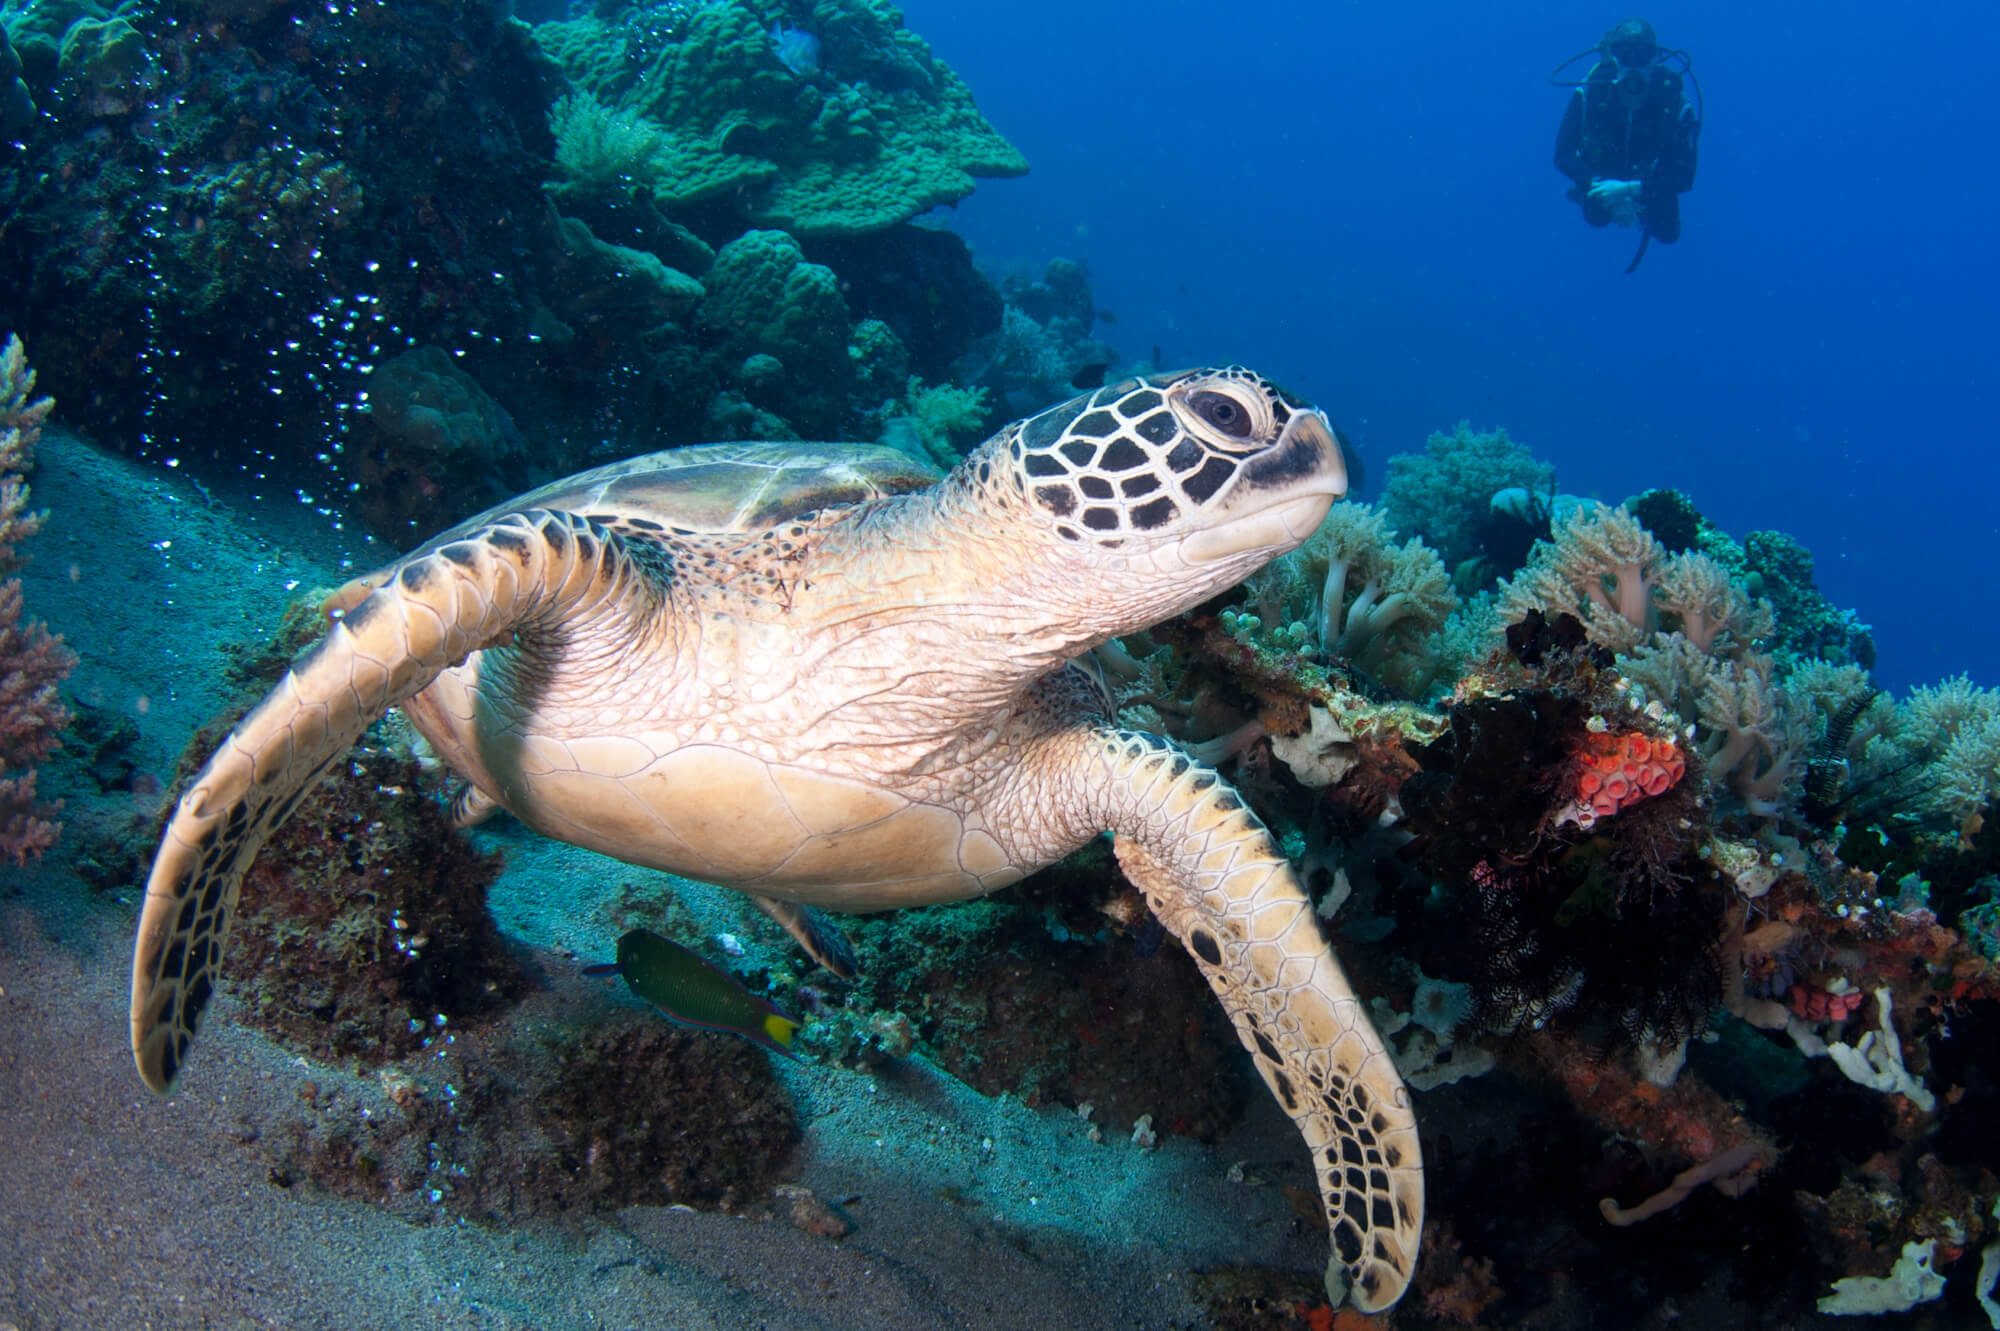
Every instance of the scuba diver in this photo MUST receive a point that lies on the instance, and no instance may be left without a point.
(1628, 134)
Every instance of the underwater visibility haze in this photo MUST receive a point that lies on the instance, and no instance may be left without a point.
(1312, 666)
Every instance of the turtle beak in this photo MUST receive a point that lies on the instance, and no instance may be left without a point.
(1280, 496)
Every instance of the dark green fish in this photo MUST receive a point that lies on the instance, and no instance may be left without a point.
(693, 992)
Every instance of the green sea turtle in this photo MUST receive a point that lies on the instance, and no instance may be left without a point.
(818, 675)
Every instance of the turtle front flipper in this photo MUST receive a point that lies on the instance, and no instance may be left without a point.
(521, 574)
(1213, 876)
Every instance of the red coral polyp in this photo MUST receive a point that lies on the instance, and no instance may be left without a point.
(1615, 771)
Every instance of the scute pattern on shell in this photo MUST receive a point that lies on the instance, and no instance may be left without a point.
(721, 487)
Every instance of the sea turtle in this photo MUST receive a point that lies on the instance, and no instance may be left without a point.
(807, 672)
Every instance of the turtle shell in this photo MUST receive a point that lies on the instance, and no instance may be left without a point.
(702, 487)
(722, 487)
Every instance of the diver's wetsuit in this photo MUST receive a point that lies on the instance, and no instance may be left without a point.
(1654, 144)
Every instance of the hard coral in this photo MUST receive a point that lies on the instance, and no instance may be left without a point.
(1669, 515)
(764, 298)
(436, 445)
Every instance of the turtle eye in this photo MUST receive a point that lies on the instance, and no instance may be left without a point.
(1222, 411)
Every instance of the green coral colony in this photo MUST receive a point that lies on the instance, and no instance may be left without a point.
(1594, 798)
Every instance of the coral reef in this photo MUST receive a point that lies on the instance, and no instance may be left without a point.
(1604, 924)
(1602, 802)
(786, 322)
(280, 201)
(17, 104)
(33, 661)
(561, 210)
(921, 283)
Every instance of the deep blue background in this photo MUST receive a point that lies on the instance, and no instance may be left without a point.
(1359, 200)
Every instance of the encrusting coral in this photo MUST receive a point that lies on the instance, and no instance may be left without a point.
(32, 660)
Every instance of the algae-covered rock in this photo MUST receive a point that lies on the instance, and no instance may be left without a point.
(874, 132)
(922, 283)
(435, 432)
(366, 919)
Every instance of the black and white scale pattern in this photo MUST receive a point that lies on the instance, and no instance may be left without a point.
(1123, 460)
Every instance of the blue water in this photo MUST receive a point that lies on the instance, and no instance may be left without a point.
(1360, 200)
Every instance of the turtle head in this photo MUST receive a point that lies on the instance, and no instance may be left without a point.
(1198, 477)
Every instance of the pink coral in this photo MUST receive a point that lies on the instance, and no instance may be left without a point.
(32, 661)
(1617, 771)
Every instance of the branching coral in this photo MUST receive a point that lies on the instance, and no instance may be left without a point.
(32, 661)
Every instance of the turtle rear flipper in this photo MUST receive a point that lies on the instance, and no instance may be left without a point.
(524, 574)
(1214, 878)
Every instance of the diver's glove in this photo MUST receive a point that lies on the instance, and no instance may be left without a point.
(1620, 198)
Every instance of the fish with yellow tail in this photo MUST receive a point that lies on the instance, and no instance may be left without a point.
(694, 992)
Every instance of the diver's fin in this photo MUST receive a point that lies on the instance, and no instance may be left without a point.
(422, 616)
(1645, 239)
(816, 933)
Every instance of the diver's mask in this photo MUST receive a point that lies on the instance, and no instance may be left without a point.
(1632, 76)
